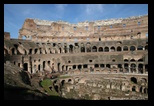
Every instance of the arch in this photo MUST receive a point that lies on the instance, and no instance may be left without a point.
(25, 66)
(132, 48)
(144, 80)
(132, 60)
(82, 49)
(58, 65)
(140, 68)
(43, 64)
(18, 64)
(145, 90)
(74, 66)
(65, 49)
(126, 67)
(85, 66)
(79, 67)
(125, 48)
(108, 65)
(94, 49)
(140, 47)
(30, 51)
(39, 67)
(140, 60)
(62, 82)
(134, 80)
(112, 49)
(71, 48)
(69, 80)
(120, 67)
(106, 49)
(13, 51)
(6, 51)
(134, 88)
(118, 48)
(125, 60)
(88, 49)
(35, 51)
(146, 47)
(133, 67)
(100, 49)
(96, 65)
(102, 65)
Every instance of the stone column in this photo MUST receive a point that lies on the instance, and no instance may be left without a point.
(123, 68)
(143, 68)
(85, 49)
(137, 68)
(129, 68)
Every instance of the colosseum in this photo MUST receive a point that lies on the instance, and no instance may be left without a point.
(102, 56)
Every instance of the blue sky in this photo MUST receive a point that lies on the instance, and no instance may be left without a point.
(15, 14)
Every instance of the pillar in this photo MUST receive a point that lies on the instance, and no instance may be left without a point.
(137, 68)
(143, 68)
(129, 68)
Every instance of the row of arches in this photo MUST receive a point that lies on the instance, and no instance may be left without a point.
(72, 48)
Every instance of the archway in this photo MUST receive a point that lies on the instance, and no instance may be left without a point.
(134, 80)
(100, 49)
(146, 47)
(79, 67)
(125, 60)
(108, 65)
(140, 68)
(58, 64)
(132, 60)
(118, 48)
(96, 65)
(13, 51)
(25, 66)
(43, 64)
(133, 67)
(35, 51)
(126, 67)
(74, 66)
(62, 82)
(134, 88)
(39, 67)
(94, 49)
(140, 48)
(30, 51)
(106, 49)
(141, 89)
(70, 48)
(125, 48)
(82, 49)
(132, 48)
(112, 49)
(146, 68)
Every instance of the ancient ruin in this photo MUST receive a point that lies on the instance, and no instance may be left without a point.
(107, 57)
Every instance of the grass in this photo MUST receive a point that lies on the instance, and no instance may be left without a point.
(46, 84)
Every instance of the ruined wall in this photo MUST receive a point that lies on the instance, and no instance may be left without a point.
(49, 31)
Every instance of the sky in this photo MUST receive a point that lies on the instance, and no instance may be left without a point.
(15, 14)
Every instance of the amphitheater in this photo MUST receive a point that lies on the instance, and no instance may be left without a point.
(102, 56)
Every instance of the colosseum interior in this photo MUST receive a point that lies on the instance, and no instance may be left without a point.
(107, 57)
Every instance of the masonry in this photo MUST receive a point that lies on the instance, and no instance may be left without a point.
(104, 46)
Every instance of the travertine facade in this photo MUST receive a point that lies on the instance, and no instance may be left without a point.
(115, 46)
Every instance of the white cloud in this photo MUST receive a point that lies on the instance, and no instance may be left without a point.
(60, 7)
(91, 9)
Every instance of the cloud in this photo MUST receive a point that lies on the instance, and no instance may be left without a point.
(91, 9)
(60, 7)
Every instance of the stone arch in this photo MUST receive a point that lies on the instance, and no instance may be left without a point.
(100, 49)
(140, 47)
(74, 66)
(39, 67)
(146, 47)
(144, 80)
(133, 67)
(140, 60)
(134, 88)
(79, 67)
(140, 68)
(94, 49)
(119, 48)
(35, 51)
(132, 48)
(141, 88)
(133, 79)
(88, 47)
(108, 65)
(112, 49)
(30, 51)
(13, 51)
(25, 66)
(62, 82)
(82, 49)
(125, 60)
(96, 65)
(71, 48)
(125, 48)
(6, 52)
(132, 60)
(126, 67)
(106, 49)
